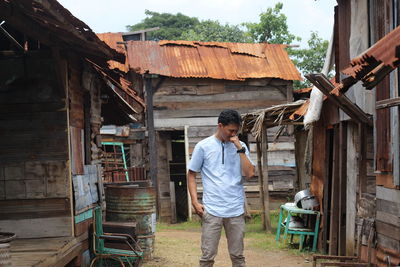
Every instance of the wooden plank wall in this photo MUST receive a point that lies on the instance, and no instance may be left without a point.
(163, 176)
(388, 223)
(85, 88)
(94, 85)
(197, 102)
(303, 178)
(386, 144)
(34, 184)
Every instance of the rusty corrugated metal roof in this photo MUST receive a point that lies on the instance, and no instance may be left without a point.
(216, 60)
(377, 61)
(112, 40)
(122, 88)
(302, 90)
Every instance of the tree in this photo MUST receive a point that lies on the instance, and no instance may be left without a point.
(311, 59)
(214, 31)
(171, 25)
(272, 27)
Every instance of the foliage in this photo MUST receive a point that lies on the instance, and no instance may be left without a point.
(212, 30)
(171, 25)
(311, 59)
(272, 27)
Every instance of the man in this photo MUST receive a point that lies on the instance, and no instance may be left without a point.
(221, 159)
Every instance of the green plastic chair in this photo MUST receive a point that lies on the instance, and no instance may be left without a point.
(110, 256)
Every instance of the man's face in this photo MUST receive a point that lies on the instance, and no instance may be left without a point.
(228, 131)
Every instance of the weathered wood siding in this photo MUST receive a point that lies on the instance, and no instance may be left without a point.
(198, 102)
(34, 179)
(163, 176)
(386, 140)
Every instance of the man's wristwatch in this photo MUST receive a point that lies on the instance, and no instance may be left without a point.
(242, 150)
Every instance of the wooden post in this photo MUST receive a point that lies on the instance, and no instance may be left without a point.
(187, 159)
(351, 187)
(173, 202)
(152, 137)
(262, 160)
(342, 188)
(335, 195)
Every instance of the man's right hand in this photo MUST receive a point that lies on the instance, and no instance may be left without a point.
(199, 208)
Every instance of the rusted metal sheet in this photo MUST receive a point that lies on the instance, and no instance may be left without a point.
(121, 87)
(52, 24)
(114, 40)
(377, 61)
(228, 61)
(303, 90)
(251, 49)
(300, 112)
(372, 68)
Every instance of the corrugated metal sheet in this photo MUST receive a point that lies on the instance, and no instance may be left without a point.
(229, 61)
(122, 88)
(385, 51)
(112, 39)
(303, 90)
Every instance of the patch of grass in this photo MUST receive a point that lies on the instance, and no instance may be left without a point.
(266, 240)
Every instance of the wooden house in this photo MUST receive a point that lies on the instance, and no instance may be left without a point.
(186, 85)
(355, 142)
(349, 152)
(52, 86)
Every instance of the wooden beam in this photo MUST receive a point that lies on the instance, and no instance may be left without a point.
(12, 39)
(262, 158)
(350, 108)
(152, 139)
(335, 194)
(173, 201)
(342, 188)
(387, 103)
(187, 160)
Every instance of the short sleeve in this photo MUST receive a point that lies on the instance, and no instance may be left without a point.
(196, 162)
(248, 153)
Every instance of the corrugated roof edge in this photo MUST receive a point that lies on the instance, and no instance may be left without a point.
(212, 44)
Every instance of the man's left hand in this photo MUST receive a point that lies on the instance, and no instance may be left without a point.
(236, 142)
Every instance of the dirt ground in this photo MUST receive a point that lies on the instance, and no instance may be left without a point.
(181, 248)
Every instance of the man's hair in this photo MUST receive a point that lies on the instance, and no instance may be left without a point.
(229, 116)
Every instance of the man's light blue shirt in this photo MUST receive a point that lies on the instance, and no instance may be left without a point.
(221, 173)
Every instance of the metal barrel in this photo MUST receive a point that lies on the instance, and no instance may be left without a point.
(146, 243)
(130, 203)
(5, 256)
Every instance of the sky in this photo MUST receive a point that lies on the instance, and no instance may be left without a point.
(303, 16)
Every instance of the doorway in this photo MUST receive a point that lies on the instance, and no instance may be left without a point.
(177, 166)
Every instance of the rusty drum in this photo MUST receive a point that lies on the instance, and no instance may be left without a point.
(130, 203)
